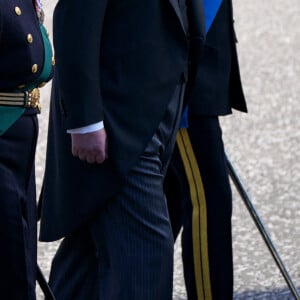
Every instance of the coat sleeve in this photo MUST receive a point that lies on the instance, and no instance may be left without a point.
(77, 30)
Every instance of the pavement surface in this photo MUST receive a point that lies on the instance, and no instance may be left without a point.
(264, 146)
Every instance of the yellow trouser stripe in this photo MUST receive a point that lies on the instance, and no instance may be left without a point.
(199, 218)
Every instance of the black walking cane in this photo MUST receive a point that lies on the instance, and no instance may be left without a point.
(259, 224)
(44, 285)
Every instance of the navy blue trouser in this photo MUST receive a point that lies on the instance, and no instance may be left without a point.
(18, 234)
(126, 252)
(199, 201)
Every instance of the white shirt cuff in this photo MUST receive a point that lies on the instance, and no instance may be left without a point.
(87, 129)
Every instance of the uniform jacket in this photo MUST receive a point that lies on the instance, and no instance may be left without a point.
(22, 53)
(120, 61)
(21, 44)
(215, 85)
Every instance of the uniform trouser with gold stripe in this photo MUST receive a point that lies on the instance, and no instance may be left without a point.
(199, 200)
(18, 222)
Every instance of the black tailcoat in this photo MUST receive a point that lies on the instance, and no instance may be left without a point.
(120, 61)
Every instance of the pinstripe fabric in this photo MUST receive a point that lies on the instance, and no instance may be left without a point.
(126, 253)
(137, 239)
(199, 215)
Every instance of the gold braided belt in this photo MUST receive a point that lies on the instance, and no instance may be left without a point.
(28, 99)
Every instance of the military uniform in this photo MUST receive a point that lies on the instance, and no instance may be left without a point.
(25, 64)
(197, 185)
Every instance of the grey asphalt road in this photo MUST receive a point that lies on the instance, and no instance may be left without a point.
(264, 145)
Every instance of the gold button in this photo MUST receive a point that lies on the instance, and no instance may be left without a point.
(29, 38)
(53, 61)
(42, 84)
(34, 68)
(18, 11)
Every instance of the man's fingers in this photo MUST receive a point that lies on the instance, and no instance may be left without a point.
(74, 151)
(91, 156)
(90, 147)
(100, 158)
(82, 155)
(91, 159)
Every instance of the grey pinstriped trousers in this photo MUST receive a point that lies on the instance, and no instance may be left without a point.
(126, 253)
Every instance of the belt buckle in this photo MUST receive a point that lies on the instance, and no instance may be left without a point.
(33, 99)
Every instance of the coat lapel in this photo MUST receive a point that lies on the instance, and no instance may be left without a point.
(175, 5)
(197, 19)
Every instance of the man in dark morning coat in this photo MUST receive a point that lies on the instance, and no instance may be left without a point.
(25, 64)
(196, 184)
(116, 103)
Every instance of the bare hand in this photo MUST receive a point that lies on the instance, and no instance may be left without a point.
(90, 147)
